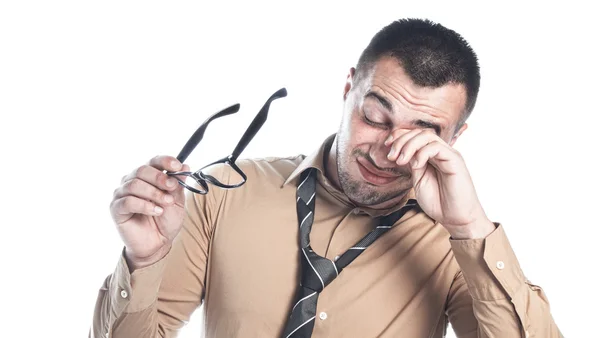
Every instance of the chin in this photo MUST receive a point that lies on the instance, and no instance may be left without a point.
(365, 193)
(361, 191)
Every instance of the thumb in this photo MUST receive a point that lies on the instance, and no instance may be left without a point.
(179, 193)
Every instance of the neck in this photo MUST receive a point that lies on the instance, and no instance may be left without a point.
(331, 172)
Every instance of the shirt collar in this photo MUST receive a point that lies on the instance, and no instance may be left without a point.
(317, 160)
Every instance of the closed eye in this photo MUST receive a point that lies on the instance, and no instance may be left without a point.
(428, 125)
(374, 124)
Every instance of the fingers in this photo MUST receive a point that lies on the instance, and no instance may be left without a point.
(144, 190)
(168, 163)
(419, 147)
(179, 191)
(399, 138)
(123, 208)
(437, 153)
(423, 155)
(147, 189)
(408, 143)
(153, 176)
(160, 162)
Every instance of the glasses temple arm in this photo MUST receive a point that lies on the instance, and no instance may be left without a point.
(256, 124)
(191, 144)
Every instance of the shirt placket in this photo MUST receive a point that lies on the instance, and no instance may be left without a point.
(325, 320)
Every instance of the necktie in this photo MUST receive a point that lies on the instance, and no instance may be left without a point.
(317, 271)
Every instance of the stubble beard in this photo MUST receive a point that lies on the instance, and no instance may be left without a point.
(362, 192)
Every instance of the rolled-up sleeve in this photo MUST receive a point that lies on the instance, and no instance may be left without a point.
(503, 302)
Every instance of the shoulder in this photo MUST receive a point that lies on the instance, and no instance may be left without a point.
(261, 171)
(275, 169)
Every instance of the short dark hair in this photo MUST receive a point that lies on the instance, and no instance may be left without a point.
(431, 54)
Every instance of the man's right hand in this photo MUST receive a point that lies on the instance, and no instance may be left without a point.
(148, 210)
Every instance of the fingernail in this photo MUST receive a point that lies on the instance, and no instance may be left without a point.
(175, 165)
(388, 140)
(401, 157)
(168, 198)
(171, 183)
(158, 210)
(391, 154)
(414, 163)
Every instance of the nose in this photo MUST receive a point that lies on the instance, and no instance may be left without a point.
(379, 152)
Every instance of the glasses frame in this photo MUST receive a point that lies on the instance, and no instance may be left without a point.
(203, 179)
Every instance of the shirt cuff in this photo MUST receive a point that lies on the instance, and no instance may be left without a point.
(136, 291)
(489, 265)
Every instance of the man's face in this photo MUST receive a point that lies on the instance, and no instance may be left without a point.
(384, 100)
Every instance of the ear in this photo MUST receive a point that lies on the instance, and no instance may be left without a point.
(460, 131)
(349, 82)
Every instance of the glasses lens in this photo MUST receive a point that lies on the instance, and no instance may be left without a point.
(223, 175)
(192, 183)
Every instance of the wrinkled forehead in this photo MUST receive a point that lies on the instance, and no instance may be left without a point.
(388, 78)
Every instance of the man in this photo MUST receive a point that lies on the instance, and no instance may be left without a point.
(386, 199)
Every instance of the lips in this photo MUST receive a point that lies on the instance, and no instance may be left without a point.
(374, 176)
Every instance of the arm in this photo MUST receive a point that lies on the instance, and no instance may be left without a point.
(157, 300)
(490, 297)
(504, 304)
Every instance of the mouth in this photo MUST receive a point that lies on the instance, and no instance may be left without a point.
(374, 176)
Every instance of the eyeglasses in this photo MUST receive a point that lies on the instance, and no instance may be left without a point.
(201, 176)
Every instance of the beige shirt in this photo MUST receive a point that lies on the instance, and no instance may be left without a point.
(238, 254)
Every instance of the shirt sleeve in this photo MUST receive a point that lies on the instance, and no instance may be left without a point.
(490, 296)
(157, 300)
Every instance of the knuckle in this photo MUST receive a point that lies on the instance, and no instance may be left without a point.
(161, 161)
(140, 170)
(134, 186)
(155, 159)
(130, 185)
(160, 178)
(129, 203)
(126, 201)
(157, 195)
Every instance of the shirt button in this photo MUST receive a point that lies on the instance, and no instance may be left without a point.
(336, 258)
(500, 265)
(124, 294)
(323, 315)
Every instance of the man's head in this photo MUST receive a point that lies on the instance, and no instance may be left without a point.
(413, 74)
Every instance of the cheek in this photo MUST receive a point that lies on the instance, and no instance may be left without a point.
(361, 134)
(346, 138)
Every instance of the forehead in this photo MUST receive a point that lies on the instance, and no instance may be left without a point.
(388, 78)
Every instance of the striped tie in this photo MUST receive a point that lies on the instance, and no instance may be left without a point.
(317, 271)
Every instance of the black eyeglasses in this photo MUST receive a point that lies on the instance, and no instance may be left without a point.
(203, 178)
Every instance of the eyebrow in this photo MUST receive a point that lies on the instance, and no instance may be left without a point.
(382, 100)
(418, 122)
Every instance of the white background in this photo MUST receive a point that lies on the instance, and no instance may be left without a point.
(91, 90)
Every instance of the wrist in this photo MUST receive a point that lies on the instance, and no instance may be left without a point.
(135, 263)
(476, 230)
